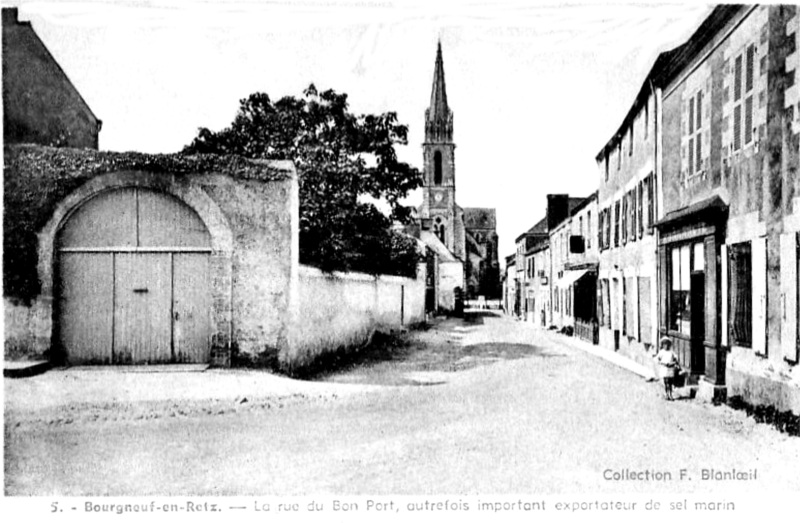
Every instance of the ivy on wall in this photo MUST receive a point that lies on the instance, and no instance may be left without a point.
(36, 179)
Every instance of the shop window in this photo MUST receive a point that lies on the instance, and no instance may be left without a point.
(679, 297)
(740, 295)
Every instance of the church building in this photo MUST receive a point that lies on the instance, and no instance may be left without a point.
(463, 239)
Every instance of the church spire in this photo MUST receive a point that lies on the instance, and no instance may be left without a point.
(438, 117)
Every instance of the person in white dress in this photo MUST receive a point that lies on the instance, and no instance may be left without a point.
(667, 366)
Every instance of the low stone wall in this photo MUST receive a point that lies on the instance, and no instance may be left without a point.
(340, 310)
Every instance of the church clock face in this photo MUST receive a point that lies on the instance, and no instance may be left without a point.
(438, 197)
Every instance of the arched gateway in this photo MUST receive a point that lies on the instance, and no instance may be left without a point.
(132, 280)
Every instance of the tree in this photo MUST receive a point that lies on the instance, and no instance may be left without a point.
(340, 158)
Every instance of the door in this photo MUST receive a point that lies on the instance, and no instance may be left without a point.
(85, 306)
(190, 308)
(133, 281)
(697, 293)
(142, 308)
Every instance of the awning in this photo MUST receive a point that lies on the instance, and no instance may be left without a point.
(710, 210)
(570, 277)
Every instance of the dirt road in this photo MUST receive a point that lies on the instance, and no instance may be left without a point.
(480, 407)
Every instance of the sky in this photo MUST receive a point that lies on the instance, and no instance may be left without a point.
(536, 90)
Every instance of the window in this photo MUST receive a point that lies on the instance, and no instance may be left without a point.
(437, 168)
(607, 161)
(743, 87)
(694, 135)
(630, 139)
(640, 207)
(600, 243)
(588, 230)
(619, 155)
(634, 203)
(651, 203)
(679, 299)
(616, 224)
(646, 118)
(740, 295)
(625, 208)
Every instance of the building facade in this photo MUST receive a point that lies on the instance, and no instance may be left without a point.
(729, 238)
(627, 210)
(40, 103)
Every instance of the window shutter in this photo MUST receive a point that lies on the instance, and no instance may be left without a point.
(737, 79)
(724, 287)
(737, 127)
(691, 115)
(711, 290)
(698, 160)
(759, 294)
(699, 109)
(751, 53)
(748, 120)
(789, 292)
(691, 157)
(663, 288)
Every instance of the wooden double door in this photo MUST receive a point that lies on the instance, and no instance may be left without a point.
(126, 296)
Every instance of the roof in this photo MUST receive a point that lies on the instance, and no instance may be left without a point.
(436, 245)
(583, 203)
(438, 107)
(539, 228)
(480, 218)
(669, 64)
(539, 246)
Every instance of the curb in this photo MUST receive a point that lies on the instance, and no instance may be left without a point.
(611, 357)
(24, 369)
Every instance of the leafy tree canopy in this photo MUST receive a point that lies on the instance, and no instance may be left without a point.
(339, 157)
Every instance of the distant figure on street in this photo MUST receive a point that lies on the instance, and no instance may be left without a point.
(667, 366)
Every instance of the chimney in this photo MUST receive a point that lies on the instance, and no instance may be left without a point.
(10, 15)
(557, 209)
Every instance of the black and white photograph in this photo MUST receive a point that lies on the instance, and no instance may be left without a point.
(400, 260)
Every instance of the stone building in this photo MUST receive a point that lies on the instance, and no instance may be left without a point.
(469, 235)
(628, 208)
(40, 103)
(573, 267)
(701, 181)
(728, 241)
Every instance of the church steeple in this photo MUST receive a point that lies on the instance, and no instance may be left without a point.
(438, 117)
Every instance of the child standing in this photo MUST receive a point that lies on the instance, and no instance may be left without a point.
(667, 365)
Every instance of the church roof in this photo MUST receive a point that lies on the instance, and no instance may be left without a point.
(438, 108)
(480, 218)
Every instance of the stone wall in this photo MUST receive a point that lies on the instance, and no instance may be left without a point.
(340, 310)
(249, 207)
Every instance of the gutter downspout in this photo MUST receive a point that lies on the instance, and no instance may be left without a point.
(656, 180)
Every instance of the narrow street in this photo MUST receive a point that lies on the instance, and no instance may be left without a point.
(486, 406)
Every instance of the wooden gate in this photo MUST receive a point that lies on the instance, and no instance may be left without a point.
(133, 281)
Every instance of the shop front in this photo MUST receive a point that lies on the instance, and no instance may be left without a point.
(690, 301)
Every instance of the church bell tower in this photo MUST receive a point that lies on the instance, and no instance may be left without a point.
(439, 186)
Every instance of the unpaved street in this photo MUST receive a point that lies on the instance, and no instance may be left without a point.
(477, 407)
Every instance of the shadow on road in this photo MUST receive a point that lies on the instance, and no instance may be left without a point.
(393, 360)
